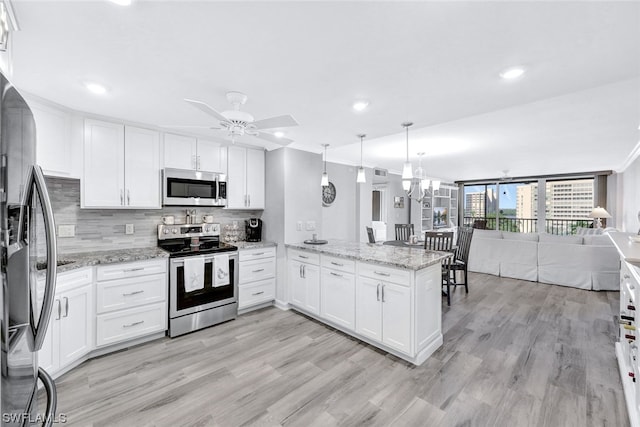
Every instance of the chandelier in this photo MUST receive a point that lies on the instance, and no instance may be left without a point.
(415, 183)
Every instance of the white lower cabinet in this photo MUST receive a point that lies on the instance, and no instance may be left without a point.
(257, 277)
(131, 300)
(338, 292)
(304, 279)
(70, 331)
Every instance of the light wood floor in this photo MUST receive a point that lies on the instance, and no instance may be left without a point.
(515, 353)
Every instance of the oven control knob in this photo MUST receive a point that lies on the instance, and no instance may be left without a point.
(206, 228)
(174, 230)
(165, 231)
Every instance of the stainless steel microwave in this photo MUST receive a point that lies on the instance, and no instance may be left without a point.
(183, 187)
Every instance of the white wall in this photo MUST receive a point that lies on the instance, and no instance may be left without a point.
(339, 219)
(629, 188)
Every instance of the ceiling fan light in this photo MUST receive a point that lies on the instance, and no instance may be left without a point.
(325, 180)
(407, 173)
(406, 184)
(361, 179)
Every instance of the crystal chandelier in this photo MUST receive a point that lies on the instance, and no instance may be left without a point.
(415, 184)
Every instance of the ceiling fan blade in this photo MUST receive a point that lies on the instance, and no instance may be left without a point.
(274, 139)
(275, 122)
(206, 108)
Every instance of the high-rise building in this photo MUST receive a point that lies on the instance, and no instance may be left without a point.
(570, 199)
(475, 203)
(527, 201)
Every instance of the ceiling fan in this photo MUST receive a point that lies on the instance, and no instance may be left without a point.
(238, 123)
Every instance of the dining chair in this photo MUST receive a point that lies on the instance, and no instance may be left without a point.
(403, 231)
(372, 237)
(442, 241)
(461, 257)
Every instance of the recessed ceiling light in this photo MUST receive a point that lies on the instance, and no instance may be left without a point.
(360, 105)
(96, 88)
(122, 2)
(278, 134)
(512, 73)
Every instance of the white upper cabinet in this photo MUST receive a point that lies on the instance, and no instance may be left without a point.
(179, 151)
(245, 178)
(142, 167)
(121, 168)
(185, 152)
(58, 149)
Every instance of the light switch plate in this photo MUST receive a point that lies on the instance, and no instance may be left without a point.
(299, 226)
(66, 230)
(311, 225)
(128, 229)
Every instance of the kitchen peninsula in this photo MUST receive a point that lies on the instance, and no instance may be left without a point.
(389, 297)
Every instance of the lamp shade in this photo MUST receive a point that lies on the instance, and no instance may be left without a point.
(324, 181)
(406, 184)
(599, 212)
(361, 178)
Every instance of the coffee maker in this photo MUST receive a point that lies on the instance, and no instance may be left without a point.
(253, 229)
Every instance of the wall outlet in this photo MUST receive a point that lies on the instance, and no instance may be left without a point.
(311, 225)
(299, 226)
(128, 229)
(66, 230)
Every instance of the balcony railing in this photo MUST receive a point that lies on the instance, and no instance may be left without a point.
(528, 225)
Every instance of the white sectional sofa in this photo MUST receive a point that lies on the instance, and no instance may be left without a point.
(585, 262)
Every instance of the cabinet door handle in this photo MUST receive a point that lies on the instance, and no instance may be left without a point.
(381, 273)
(258, 270)
(257, 293)
(66, 307)
(258, 254)
(122, 197)
(304, 271)
(129, 270)
(378, 292)
(198, 162)
(248, 200)
(337, 263)
(300, 270)
(133, 324)
(59, 310)
(335, 274)
(303, 256)
(382, 293)
(193, 162)
(128, 198)
(132, 293)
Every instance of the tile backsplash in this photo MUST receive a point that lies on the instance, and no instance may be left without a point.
(104, 229)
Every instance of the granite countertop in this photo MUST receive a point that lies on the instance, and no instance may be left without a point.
(86, 259)
(253, 245)
(411, 258)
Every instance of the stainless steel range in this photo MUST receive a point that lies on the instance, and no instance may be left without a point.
(203, 276)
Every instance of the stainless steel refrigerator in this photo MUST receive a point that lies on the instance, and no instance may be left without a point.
(27, 237)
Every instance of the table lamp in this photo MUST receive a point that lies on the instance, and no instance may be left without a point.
(597, 213)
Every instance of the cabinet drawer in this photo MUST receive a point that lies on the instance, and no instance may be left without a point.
(340, 264)
(131, 323)
(261, 269)
(387, 274)
(304, 256)
(131, 269)
(256, 293)
(259, 253)
(131, 292)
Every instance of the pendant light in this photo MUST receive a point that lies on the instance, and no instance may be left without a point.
(325, 177)
(407, 173)
(361, 179)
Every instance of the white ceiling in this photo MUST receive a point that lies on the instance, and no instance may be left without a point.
(437, 64)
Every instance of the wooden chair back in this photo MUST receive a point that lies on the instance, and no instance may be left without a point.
(370, 235)
(403, 231)
(465, 234)
(438, 240)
